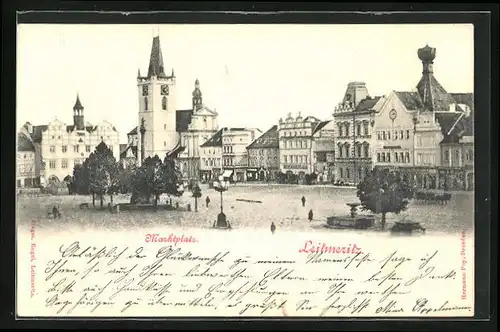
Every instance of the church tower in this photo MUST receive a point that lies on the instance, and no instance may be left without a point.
(197, 96)
(78, 120)
(157, 107)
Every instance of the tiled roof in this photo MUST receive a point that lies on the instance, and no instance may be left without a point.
(267, 140)
(320, 126)
(453, 125)
(433, 95)
(123, 154)
(182, 120)
(133, 131)
(24, 143)
(36, 135)
(411, 100)
(215, 140)
(366, 104)
(464, 98)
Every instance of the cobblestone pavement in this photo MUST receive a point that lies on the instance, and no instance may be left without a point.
(280, 204)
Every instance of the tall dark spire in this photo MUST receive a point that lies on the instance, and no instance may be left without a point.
(156, 67)
(78, 120)
(197, 96)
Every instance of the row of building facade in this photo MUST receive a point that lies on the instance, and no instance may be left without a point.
(427, 134)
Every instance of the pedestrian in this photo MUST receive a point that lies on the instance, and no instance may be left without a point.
(303, 201)
(273, 227)
(311, 215)
(207, 201)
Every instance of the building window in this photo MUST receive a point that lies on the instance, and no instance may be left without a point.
(164, 103)
(286, 159)
(383, 135)
(341, 172)
(383, 157)
(64, 148)
(52, 164)
(447, 155)
(365, 128)
(359, 150)
(388, 135)
(407, 157)
(367, 148)
(52, 148)
(396, 159)
(145, 103)
(341, 150)
(358, 127)
(401, 157)
(348, 173)
(305, 159)
(388, 157)
(87, 148)
(64, 163)
(407, 134)
(76, 148)
(340, 131)
(347, 151)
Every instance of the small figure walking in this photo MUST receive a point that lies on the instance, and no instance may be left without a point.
(207, 201)
(303, 201)
(311, 215)
(55, 212)
(273, 227)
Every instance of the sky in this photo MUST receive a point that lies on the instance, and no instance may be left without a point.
(252, 75)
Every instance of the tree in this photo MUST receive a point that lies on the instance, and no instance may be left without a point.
(384, 191)
(154, 178)
(196, 191)
(104, 172)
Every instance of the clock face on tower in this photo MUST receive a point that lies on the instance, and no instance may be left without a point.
(164, 90)
(144, 90)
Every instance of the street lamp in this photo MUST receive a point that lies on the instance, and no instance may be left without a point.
(221, 186)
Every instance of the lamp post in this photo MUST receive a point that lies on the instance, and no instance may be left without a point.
(221, 186)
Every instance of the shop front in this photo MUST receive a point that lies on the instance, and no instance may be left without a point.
(253, 174)
(240, 175)
(452, 178)
(205, 176)
(228, 175)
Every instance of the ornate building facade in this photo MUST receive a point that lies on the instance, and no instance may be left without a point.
(59, 147)
(263, 157)
(354, 120)
(295, 145)
(323, 146)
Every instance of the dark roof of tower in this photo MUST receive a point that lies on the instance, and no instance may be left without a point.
(156, 67)
(24, 143)
(411, 100)
(78, 103)
(215, 140)
(434, 97)
(182, 120)
(267, 140)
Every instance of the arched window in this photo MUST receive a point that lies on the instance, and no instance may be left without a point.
(164, 103)
(347, 147)
(366, 147)
(145, 103)
(340, 130)
(341, 150)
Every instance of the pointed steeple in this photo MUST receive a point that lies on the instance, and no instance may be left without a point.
(78, 104)
(138, 72)
(172, 75)
(156, 67)
(197, 96)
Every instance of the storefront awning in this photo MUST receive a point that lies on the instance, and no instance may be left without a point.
(227, 173)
